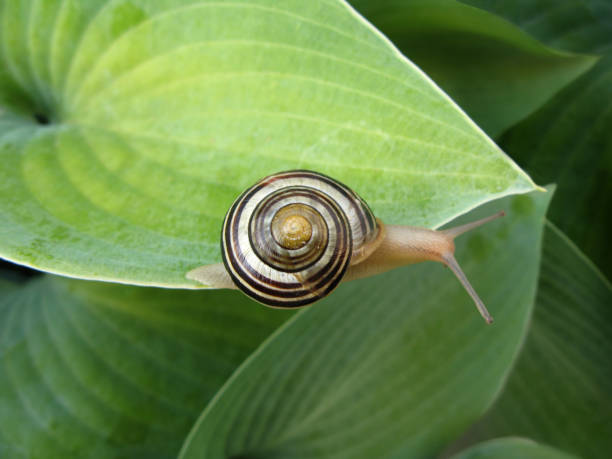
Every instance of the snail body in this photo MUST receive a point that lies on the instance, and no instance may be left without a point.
(291, 238)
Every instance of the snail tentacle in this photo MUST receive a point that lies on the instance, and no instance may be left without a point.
(404, 245)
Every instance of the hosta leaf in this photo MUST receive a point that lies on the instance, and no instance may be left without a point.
(505, 448)
(161, 113)
(12, 275)
(569, 141)
(577, 25)
(96, 370)
(394, 366)
(7, 283)
(495, 71)
(560, 392)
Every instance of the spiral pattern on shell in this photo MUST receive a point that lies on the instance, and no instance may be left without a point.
(288, 240)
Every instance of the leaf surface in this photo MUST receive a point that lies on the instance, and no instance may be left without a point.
(393, 366)
(569, 141)
(160, 113)
(498, 73)
(576, 25)
(96, 370)
(560, 392)
(504, 448)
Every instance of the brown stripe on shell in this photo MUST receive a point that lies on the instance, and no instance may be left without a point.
(276, 256)
(254, 283)
(367, 226)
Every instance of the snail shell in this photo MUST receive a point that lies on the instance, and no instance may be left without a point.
(288, 240)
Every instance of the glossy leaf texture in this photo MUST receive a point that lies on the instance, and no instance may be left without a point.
(569, 141)
(498, 73)
(505, 448)
(97, 370)
(577, 25)
(560, 391)
(161, 113)
(358, 374)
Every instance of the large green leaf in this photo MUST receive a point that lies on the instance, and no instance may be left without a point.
(569, 141)
(494, 70)
(577, 25)
(560, 392)
(161, 113)
(393, 366)
(96, 370)
(506, 448)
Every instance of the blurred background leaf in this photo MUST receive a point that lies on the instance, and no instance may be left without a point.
(101, 370)
(569, 141)
(392, 366)
(146, 119)
(575, 25)
(560, 391)
(496, 72)
(506, 448)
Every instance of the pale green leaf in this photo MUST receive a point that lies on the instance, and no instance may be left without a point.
(508, 448)
(161, 113)
(394, 366)
(96, 370)
(560, 392)
(495, 71)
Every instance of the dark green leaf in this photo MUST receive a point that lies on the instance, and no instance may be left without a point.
(560, 392)
(392, 366)
(494, 70)
(506, 448)
(575, 25)
(569, 141)
(96, 370)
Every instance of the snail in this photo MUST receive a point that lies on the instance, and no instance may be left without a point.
(291, 238)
